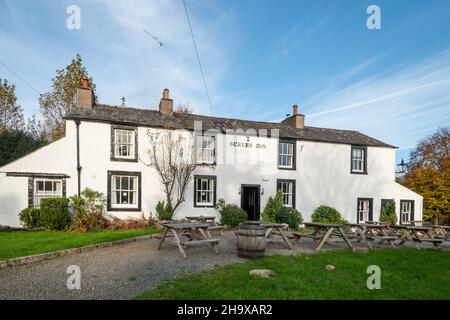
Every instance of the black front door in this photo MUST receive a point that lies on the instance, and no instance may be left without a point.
(250, 201)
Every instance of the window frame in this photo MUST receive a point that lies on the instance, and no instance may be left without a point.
(294, 193)
(370, 213)
(120, 207)
(294, 154)
(214, 137)
(412, 213)
(35, 182)
(364, 148)
(113, 156)
(214, 191)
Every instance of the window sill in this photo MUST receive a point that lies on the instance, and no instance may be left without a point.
(124, 159)
(356, 172)
(125, 209)
(286, 168)
(204, 205)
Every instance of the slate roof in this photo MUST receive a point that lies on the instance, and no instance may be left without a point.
(153, 118)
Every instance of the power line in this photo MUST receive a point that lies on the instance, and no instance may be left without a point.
(20, 78)
(198, 57)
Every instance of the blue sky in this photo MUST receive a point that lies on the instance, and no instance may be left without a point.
(260, 57)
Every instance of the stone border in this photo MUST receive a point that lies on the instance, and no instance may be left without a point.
(55, 254)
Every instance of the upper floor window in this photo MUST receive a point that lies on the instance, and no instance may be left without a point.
(205, 149)
(123, 190)
(359, 159)
(287, 187)
(124, 144)
(45, 188)
(286, 155)
(204, 191)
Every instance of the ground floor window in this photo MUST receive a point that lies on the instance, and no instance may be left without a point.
(124, 190)
(46, 188)
(287, 187)
(406, 210)
(204, 191)
(364, 210)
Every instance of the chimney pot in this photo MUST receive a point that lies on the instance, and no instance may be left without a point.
(295, 109)
(86, 83)
(166, 104)
(166, 94)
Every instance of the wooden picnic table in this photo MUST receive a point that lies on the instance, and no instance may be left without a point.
(443, 231)
(277, 229)
(376, 231)
(214, 226)
(328, 229)
(196, 233)
(414, 234)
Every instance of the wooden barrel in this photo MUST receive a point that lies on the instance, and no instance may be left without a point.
(251, 240)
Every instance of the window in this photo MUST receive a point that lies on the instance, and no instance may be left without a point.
(286, 155)
(124, 191)
(205, 149)
(406, 210)
(359, 160)
(287, 187)
(45, 188)
(124, 143)
(204, 191)
(364, 210)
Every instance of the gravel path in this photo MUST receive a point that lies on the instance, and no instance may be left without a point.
(122, 272)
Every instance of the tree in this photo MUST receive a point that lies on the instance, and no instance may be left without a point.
(15, 144)
(11, 114)
(184, 109)
(55, 103)
(173, 157)
(429, 173)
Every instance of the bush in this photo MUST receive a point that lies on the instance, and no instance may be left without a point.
(273, 207)
(232, 215)
(88, 211)
(164, 212)
(55, 213)
(131, 223)
(30, 218)
(289, 216)
(324, 214)
(388, 213)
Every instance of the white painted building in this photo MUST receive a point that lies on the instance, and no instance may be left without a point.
(106, 149)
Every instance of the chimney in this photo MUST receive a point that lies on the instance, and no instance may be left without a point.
(297, 120)
(84, 97)
(166, 104)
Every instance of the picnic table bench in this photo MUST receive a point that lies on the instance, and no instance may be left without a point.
(327, 230)
(277, 229)
(196, 234)
(443, 231)
(214, 226)
(414, 234)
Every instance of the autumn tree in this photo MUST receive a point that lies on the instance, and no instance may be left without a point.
(11, 114)
(55, 103)
(429, 174)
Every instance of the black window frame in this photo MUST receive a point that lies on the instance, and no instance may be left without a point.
(412, 210)
(294, 154)
(197, 205)
(113, 157)
(370, 209)
(294, 189)
(109, 185)
(365, 159)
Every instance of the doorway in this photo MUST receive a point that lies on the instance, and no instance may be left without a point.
(250, 201)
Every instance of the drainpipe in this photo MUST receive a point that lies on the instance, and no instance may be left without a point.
(77, 123)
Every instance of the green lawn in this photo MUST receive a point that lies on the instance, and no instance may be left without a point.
(15, 244)
(405, 274)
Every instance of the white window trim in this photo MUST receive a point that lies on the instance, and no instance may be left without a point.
(45, 195)
(290, 195)
(286, 155)
(202, 150)
(120, 205)
(132, 144)
(362, 212)
(198, 201)
(403, 212)
(361, 160)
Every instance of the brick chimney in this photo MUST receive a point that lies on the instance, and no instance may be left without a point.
(297, 120)
(166, 104)
(84, 97)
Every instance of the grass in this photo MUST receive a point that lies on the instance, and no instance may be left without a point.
(15, 243)
(405, 274)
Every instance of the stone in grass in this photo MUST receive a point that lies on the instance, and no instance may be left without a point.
(360, 250)
(262, 273)
(330, 267)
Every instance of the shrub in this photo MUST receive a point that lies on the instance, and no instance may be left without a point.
(273, 207)
(289, 216)
(388, 213)
(232, 215)
(55, 213)
(131, 223)
(30, 218)
(164, 212)
(88, 211)
(324, 214)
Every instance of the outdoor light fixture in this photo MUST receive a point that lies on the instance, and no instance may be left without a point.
(402, 165)
(239, 190)
(262, 191)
